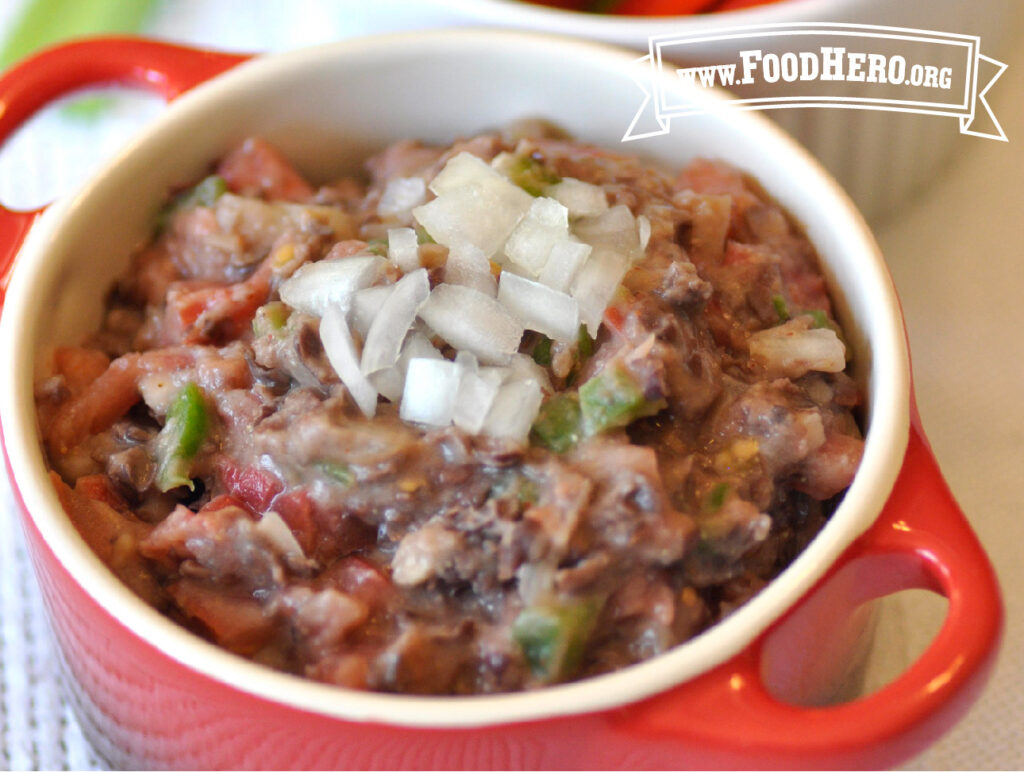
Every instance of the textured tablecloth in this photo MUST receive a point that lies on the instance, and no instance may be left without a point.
(957, 256)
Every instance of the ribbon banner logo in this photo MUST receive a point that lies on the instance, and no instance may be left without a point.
(815, 64)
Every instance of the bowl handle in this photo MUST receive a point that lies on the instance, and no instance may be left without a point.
(166, 69)
(921, 540)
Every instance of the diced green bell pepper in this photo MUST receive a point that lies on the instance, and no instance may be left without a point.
(378, 247)
(553, 638)
(716, 498)
(613, 398)
(203, 193)
(527, 492)
(781, 307)
(820, 319)
(584, 350)
(339, 473)
(531, 175)
(558, 425)
(542, 351)
(187, 425)
(584, 345)
(513, 484)
(270, 318)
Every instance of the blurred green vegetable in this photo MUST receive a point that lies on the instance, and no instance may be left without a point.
(43, 23)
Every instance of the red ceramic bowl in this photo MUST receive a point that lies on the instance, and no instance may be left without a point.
(149, 693)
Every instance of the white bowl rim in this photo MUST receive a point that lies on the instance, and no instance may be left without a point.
(886, 443)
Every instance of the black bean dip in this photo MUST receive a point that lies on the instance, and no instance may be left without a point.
(496, 415)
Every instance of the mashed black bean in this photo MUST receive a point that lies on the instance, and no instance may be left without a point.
(682, 449)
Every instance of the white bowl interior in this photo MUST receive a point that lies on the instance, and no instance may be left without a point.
(328, 108)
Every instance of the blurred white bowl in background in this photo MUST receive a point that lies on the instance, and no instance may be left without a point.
(881, 158)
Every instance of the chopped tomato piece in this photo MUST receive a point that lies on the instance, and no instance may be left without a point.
(99, 487)
(831, 468)
(79, 366)
(107, 398)
(614, 318)
(254, 487)
(296, 509)
(211, 313)
(257, 168)
(713, 178)
(238, 623)
(361, 579)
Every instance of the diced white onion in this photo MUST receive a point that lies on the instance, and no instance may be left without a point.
(462, 170)
(468, 266)
(615, 229)
(472, 321)
(467, 362)
(316, 286)
(478, 386)
(431, 387)
(595, 284)
(505, 163)
(365, 305)
(475, 204)
(564, 261)
(514, 410)
(392, 322)
(390, 381)
(417, 345)
(539, 307)
(276, 531)
(477, 392)
(341, 353)
(792, 350)
(761, 527)
(536, 582)
(643, 231)
(564, 254)
(522, 368)
(401, 195)
(581, 198)
(404, 249)
(545, 224)
(814, 429)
